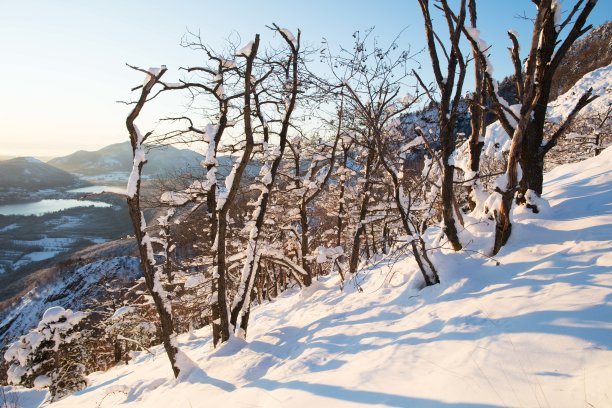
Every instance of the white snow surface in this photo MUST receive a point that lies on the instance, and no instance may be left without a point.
(289, 35)
(246, 50)
(174, 197)
(533, 331)
(122, 311)
(53, 314)
(601, 82)
(139, 157)
(42, 381)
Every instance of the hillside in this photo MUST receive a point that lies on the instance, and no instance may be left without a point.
(79, 283)
(30, 244)
(117, 158)
(32, 174)
(529, 328)
(591, 52)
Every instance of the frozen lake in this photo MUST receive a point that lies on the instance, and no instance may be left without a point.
(46, 206)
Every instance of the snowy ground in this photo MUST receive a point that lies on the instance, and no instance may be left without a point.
(533, 331)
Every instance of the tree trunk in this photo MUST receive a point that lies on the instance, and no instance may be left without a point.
(503, 226)
(241, 305)
(148, 269)
(532, 159)
(220, 318)
(363, 209)
(374, 248)
(143, 241)
(304, 244)
(448, 175)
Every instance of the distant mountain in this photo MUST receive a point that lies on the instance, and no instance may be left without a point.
(32, 174)
(117, 158)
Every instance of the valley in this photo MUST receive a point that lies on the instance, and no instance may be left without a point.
(49, 211)
(32, 242)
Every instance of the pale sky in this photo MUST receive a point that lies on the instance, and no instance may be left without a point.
(62, 62)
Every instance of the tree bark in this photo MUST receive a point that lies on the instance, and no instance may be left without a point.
(363, 209)
(304, 244)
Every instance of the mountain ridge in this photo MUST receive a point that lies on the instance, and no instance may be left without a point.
(117, 158)
(31, 173)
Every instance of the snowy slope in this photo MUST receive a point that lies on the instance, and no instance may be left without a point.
(533, 331)
(599, 80)
(75, 286)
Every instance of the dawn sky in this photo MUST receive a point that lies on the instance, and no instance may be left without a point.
(62, 63)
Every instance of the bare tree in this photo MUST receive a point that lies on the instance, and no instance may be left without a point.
(306, 184)
(477, 113)
(533, 82)
(450, 87)
(284, 100)
(151, 270)
(539, 71)
(373, 79)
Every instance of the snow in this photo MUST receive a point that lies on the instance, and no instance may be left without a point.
(228, 64)
(174, 197)
(9, 227)
(152, 74)
(194, 280)
(24, 397)
(60, 317)
(20, 355)
(186, 366)
(497, 141)
(42, 381)
(528, 328)
(154, 71)
(139, 157)
(45, 206)
(328, 254)
(558, 16)
(122, 311)
(246, 50)
(601, 82)
(173, 84)
(83, 281)
(229, 181)
(38, 256)
(53, 314)
(483, 46)
(220, 91)
(32, 160)
(289, 35)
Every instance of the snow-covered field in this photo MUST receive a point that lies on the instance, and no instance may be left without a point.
(531, 328)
